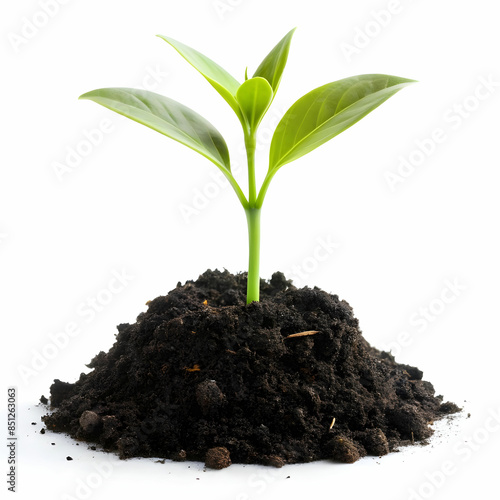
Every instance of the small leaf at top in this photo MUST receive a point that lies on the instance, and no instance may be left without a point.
(255, 96)
(218, 77)
(327, 111)
(271, 68)
(168, 117)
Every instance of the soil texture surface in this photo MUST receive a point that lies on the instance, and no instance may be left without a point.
(203, 376)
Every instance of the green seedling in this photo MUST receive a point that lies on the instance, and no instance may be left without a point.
(313, 120)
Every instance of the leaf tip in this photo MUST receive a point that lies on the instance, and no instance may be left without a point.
(166, 39)
(408, 81)
(290, 33)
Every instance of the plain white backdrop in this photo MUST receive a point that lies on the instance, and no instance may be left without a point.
(99, 214)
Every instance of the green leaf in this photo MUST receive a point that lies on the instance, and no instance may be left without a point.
(168, 117)
(327, 111)
(218, 77)
(254, 96)
(271, 68)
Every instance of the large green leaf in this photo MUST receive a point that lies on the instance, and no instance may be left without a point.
(271, 68)
(327, 111)
(168, 117)
(218, 77)
(254, 96)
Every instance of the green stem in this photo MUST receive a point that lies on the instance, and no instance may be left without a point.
(253, 221)
(250, 143)
(253, 280)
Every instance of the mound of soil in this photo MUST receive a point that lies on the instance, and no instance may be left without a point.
(203, 376)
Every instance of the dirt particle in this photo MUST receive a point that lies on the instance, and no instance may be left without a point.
(89, 421)
(60, 391)
(208, 396)
(275, 461)
(375, 442)
(179, 456)
(448, 407)
(217, 458)
(110, 428)
(344, 450)
(69, 458)
(127, 446)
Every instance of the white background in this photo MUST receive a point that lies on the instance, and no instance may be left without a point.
(119, 210)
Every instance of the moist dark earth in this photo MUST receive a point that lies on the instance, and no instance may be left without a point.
(203, 376)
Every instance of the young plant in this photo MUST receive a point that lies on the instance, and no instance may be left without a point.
(313, 120)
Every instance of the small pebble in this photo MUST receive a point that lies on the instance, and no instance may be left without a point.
(89, 421)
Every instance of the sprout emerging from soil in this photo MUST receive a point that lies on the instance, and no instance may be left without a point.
(311, 121)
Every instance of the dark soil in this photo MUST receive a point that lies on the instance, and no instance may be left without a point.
(203, 376)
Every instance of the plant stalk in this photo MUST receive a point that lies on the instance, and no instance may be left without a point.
(253, 221)
(253, 279)
(250, 144)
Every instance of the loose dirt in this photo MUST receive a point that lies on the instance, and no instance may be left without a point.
(203, 376)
